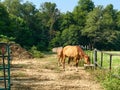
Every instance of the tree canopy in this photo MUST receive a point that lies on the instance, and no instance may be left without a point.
(47, 27)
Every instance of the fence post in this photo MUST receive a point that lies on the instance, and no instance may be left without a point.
(95, 57)
(101, 59)
(110, 62)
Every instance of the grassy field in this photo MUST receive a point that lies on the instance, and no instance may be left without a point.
(106, 59)
(109, 79)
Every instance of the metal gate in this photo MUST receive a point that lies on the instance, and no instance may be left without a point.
(5, 66)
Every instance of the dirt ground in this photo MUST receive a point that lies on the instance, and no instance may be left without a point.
(44, 74)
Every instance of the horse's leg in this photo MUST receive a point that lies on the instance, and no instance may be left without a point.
(63, 61)
(77, 61)
(58, 61)
(69, 60)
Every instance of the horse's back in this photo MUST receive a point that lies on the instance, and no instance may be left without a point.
(70, 51)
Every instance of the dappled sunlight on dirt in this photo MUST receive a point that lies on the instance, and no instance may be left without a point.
(44, 74)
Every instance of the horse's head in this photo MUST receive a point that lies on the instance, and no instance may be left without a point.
(87, 59)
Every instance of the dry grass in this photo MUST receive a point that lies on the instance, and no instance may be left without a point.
(44, 74)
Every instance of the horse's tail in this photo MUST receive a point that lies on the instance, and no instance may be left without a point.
(61, 53)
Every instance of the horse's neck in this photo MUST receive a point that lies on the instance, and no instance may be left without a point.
(82, 52)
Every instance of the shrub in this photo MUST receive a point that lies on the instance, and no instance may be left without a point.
(36, 53)
(111, 82)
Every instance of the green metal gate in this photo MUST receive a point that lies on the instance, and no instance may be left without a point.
(5, 66)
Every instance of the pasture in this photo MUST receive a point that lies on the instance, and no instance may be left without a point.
(44, 74)
(115, 63)
(109, 78)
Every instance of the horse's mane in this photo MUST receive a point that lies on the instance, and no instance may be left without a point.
(81, 51)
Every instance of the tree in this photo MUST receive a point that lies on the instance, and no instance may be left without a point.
(70, 36)
(118, 20)
(81, 10)
(40, 32)
(109, 17)
(13, 6)
(57, 40)
(100, 27)
(4, 21)
(109, 26)
(67, 20)
(27, 12)
(50, 15)
(46, 27)
(79, 14)
(93, 25)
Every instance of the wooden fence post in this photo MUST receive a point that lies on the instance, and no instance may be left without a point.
(95, 57)
(110, 62)
(101, 59)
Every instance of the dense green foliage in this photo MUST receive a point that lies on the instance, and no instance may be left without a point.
(36, 53)
(47, 27)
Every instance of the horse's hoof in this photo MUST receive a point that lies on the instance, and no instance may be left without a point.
(76, 70)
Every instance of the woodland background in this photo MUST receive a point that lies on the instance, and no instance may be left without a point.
(48, 27)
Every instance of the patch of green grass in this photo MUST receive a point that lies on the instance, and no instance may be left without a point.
(110, 80)
(52, 65)
(20, 74)
(106, 59)
(73, 76)
(1, 73)
(19, 66)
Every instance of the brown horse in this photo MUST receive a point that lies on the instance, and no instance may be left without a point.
(59, 55)
(74, 52)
